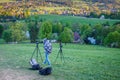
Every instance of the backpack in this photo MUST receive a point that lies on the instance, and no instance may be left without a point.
(45, 71)
(34, 64)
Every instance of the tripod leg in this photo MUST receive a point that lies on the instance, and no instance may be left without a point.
(40, 54)
(57, 56)
(37, 55)
(63, 57)
(33, 53)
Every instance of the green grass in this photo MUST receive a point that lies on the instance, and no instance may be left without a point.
(76, 19)
(82, 62)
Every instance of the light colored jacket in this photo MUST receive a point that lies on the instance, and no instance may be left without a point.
(47, 46)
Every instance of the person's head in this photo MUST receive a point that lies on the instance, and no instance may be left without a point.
(44, 40)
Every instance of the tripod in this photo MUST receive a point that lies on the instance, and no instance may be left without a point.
(60, 53)
(37, 50)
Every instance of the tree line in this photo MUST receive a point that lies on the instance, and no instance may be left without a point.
(102, 34)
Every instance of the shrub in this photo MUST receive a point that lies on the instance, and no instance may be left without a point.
(113, 39)
(7, 35)
(66, 35)
(14, 33)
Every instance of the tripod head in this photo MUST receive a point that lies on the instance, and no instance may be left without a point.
(37, 42)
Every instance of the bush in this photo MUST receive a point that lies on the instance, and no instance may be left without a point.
(66, 35)
(113, 39)
(7, 35)
(18, 31)
(14, 33)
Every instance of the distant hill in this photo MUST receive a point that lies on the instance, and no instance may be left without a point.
(104, 1)
(86, 8)
(101, 1)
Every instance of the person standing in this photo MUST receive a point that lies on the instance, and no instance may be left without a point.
(48, 49)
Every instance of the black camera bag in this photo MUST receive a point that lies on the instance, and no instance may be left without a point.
(45, 71)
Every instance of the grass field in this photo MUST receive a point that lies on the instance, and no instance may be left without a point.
(82, 62)
(76, 19)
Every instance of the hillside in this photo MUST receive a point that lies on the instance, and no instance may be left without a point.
(101, 1)
(23, 9)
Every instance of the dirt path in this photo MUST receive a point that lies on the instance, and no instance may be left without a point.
(9, 74)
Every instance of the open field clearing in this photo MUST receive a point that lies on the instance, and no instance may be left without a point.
(82, 62)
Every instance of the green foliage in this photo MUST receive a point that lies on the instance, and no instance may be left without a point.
(1, 30)
(15, 33)
(18, 32)
(66, 35)
(113, 39)
(45, 30)
(98, 30)
(115, 15)
(57, 28)
(76, 27)
(85, 31)
(93, 14)
(117, 28)
(7, 35)
(33, 27)
(68, 24)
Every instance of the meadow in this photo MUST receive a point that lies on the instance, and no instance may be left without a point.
(77, 19)
(82, 62)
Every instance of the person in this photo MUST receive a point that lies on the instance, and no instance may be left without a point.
(47, 48)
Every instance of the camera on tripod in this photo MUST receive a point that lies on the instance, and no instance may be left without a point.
(36, 52)
(37, 41)
(60, 52)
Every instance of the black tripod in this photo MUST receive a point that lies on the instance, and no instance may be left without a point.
(37, 50)
(60, 53)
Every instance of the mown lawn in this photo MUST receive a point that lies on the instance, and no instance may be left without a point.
(82, 62)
